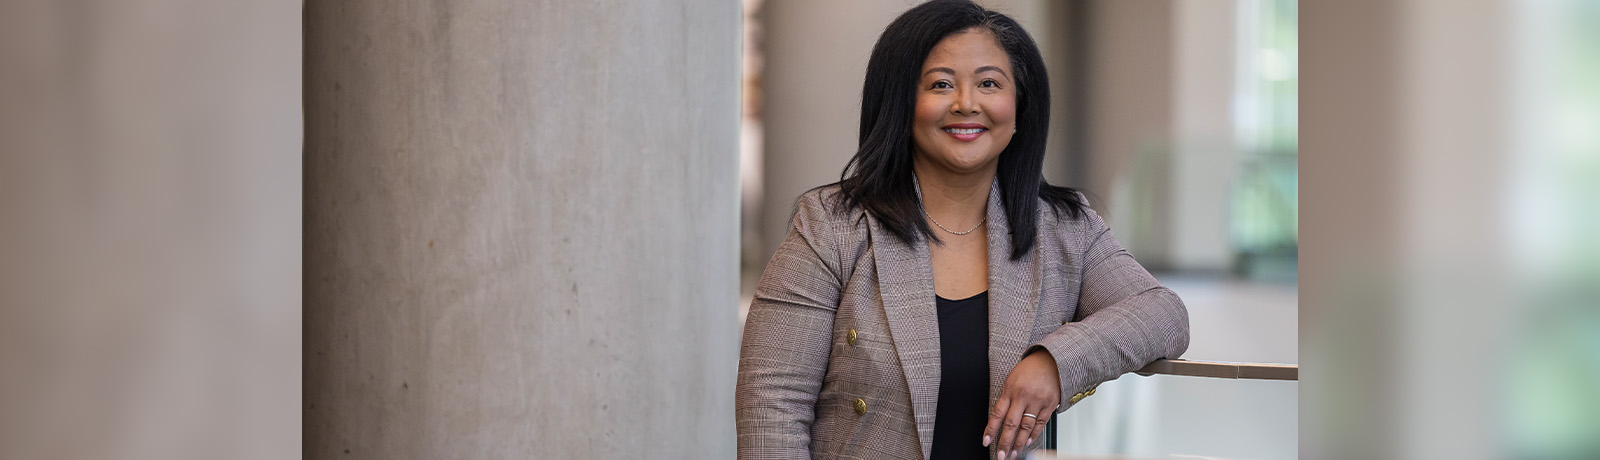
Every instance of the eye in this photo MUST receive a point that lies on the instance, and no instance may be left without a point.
(941, 84)
(989, 84)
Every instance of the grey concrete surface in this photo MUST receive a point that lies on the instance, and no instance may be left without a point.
(521, 229)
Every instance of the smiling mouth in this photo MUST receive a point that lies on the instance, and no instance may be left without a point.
(964, 130)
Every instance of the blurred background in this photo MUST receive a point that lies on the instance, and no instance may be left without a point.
(1180, 121)
(511, 229)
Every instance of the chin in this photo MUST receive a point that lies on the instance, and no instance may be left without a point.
(972, 162)
(968, 165)
(964, 159)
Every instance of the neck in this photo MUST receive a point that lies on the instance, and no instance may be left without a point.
(955, 200)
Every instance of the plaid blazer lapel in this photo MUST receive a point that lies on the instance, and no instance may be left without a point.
(1013, 297)
(905, 282)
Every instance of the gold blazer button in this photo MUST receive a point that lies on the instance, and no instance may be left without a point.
(851, 337)
(861, 407)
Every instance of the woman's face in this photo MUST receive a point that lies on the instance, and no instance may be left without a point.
(966, 104)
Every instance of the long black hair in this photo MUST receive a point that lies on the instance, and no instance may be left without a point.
(879, 177)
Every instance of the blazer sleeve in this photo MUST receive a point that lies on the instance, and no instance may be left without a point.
(787, 338)
(1125, 318)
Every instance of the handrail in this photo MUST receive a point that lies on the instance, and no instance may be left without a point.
(1221, 369)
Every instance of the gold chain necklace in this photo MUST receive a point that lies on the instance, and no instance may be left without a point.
(953, 232)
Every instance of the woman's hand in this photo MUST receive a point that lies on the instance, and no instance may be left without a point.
(1034, 387)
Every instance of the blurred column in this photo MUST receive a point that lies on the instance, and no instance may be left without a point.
(1406, 312)
(1129, 130)
(1205, 154)
(521, 229)
(1157, 123)
(1455, 213)
(815, 55)
(149, 229)
(1350, 173)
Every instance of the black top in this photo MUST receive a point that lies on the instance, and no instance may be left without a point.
(963, 378)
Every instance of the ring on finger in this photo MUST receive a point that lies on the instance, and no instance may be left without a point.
(1025, 414)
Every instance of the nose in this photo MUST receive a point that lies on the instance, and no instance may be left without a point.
(963, 104)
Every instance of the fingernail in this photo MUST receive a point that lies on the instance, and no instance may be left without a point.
(985, 440)
(1002, 455)
(1030, 441)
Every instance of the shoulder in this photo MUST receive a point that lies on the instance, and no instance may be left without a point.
(1067, 216)
(825, 206)
(1069, 227)
(834, 229)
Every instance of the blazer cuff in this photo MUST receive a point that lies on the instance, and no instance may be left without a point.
(1072, 347)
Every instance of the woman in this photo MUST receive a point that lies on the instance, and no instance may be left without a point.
(942, 300)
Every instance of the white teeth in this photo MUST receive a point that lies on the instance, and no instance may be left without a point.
(963, 131)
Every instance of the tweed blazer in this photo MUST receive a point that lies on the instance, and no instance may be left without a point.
(840, 354)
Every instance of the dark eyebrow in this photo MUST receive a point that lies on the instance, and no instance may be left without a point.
(990, 67)
(951, 71)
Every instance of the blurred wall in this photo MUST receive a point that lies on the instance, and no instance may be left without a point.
(520, 229)
(1159, 141)
(1414, 290)
(150, 229)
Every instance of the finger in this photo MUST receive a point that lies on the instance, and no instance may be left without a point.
(1030, 428)
(1040, 426)
(1024, 433)
(996, 415)
(1044, 419)
(1008, 428)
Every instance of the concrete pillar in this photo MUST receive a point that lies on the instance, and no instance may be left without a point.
(521, 229)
